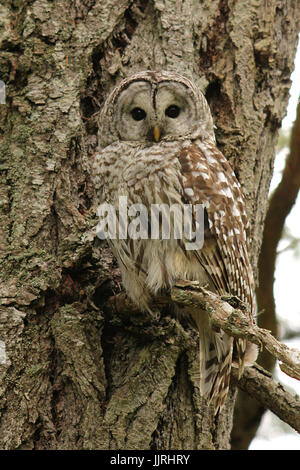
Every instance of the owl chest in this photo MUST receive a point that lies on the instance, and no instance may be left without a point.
(147, 179)
(151, 186)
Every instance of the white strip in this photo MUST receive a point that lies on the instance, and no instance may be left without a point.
(3, 358)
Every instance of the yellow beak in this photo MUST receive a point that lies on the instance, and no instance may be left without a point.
(156, 133)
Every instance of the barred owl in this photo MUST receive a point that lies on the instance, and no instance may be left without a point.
(157, 146)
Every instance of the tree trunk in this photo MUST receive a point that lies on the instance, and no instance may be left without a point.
(74, 374)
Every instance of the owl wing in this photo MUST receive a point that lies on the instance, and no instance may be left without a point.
(208, 179)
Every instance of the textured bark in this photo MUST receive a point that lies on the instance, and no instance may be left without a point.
(73, 374)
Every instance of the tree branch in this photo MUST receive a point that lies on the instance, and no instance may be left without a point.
(259, 384)
(235, 323)
(229, 314)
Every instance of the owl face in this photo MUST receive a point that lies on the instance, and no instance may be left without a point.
(151, 106)
(150, 110)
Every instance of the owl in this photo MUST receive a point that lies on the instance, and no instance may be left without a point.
(157, 147)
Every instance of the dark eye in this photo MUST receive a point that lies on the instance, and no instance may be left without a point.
(138, 114)
(172, 111)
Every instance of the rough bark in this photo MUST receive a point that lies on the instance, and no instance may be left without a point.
(73, 374)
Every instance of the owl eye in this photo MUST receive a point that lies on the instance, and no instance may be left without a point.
(172, 111)
(138, 114)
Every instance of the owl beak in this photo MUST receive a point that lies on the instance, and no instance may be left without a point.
(156, 133)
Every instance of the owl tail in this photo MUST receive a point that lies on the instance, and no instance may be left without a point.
(215, 351)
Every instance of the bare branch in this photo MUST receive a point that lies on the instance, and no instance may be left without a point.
(259, 384)
(235, 323)
(188, 295)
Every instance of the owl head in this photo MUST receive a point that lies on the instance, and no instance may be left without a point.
(152, 106)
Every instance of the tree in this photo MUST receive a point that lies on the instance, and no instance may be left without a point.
(75, 374)
(280, 205)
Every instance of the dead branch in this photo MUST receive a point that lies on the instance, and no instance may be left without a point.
(235, 322)
(259, 384)
(188, 295)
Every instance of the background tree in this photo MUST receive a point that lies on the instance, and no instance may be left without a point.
(74, 373)
(281, 203)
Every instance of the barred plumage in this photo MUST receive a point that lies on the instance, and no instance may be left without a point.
(183, 167)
